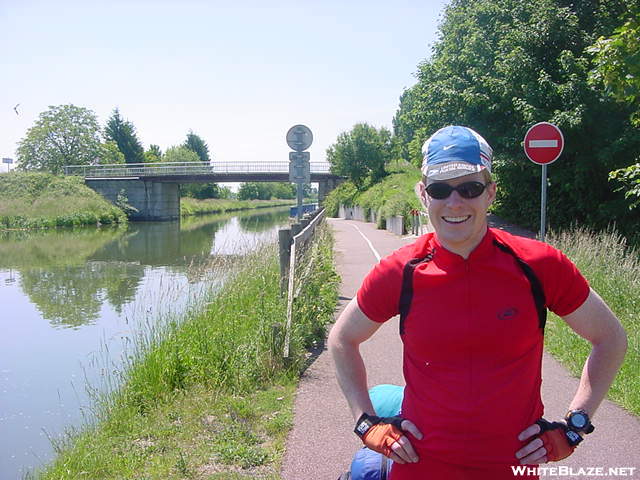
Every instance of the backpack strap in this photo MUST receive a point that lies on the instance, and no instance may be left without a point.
(536, 287)
(406, 292)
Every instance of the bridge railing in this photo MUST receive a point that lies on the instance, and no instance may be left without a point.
(185, 168)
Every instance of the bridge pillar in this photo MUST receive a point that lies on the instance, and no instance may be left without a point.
(157, 201)
(326, 186)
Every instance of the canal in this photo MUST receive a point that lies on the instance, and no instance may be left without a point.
(73, 301)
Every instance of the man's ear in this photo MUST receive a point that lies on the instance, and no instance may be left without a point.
(421, 193)
(491, 190)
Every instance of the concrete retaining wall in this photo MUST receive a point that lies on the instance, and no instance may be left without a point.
(153, 200)
(396, 225)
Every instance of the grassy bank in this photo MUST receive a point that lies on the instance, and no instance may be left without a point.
(192, 206)
(612, 270)
(42, 200)
(209, 396)
(394, 195)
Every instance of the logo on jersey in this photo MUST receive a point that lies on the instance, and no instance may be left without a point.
(508, 313)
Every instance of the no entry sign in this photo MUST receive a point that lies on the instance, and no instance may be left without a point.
(543, 143)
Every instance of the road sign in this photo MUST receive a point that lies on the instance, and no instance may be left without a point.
(299, 173)
(543, 143)
(299, 156)
(7, 160)
(299, 138)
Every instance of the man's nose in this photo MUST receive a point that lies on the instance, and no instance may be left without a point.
(455, 199)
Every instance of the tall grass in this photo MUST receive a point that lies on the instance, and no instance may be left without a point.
(200, 386)
(613, 270)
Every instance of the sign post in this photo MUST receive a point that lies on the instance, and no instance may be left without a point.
(8, 161)
(543, 144)
(299, 138)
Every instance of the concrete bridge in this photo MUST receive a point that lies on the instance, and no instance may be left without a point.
(154, 188)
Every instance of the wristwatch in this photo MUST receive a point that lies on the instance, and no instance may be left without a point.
(578, 421)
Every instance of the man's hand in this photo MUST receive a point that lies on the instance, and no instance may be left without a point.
(385, 435)
(553, 441)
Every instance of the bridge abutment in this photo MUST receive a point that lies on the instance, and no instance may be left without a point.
(153, 200)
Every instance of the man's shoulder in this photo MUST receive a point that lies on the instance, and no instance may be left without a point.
(528, 249)
(417, 249)
(397, 259)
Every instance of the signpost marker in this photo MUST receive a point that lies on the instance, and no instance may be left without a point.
(299, 138)
(543, 144)
(8, 161)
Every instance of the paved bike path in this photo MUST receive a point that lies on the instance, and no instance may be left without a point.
(321, 443)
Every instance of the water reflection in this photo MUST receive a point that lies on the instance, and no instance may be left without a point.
(66, 294)
(69, 274)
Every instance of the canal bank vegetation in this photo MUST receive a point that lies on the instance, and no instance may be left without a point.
(209, 395)
(44, 200)
(193, 206)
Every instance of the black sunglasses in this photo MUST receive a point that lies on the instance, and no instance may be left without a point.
(440, 191)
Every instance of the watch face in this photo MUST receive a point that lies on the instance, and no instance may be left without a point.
(578, 420)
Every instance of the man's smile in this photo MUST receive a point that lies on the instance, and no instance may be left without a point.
(456, 219)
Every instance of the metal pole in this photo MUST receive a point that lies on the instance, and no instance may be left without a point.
(299, 195)
(543, 203)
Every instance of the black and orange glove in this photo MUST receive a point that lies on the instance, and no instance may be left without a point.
(558, 439)
(379, 433)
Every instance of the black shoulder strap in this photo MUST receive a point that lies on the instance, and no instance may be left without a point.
(406, 292)
(536, 286)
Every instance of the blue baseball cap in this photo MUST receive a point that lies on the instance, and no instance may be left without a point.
(455, 151)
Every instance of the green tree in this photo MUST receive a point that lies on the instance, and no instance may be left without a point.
(617, 67)
(153, 155)
(265, 191)
(110, 153)
(62, 135)
(617, 63)
(502, 65)
(180, 153)
(200, 190)
(361, 154)
(123, 133)
(197, 145)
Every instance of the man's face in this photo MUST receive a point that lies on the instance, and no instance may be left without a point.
(460, 223)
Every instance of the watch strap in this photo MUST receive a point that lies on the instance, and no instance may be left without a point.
(364, 423)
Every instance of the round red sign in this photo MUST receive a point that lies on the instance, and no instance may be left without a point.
(543, 143)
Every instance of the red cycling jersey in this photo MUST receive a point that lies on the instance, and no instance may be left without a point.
(472, 343)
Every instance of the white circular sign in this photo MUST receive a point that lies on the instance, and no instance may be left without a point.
(299, 138)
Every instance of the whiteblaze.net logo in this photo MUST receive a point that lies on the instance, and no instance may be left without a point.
(573, 472)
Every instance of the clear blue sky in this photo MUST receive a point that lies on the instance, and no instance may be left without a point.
(237, 73)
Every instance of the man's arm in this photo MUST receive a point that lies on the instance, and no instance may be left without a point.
(351, 329)
(595, 322)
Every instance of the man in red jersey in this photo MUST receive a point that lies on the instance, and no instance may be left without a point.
(472, 303)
